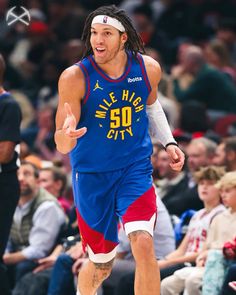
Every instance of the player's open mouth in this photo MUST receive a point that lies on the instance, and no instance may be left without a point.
(100, 50)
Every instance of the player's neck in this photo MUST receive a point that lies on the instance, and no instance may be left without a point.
(115, 67)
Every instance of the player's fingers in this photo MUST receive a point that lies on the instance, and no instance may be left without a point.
(172, 152)
(180, 154)
(69, 124)
(176, 166)
(76, 133)
(66, 124)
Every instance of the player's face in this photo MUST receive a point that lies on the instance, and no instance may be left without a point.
(106, 42)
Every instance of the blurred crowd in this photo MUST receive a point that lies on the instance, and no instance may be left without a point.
(195, 43)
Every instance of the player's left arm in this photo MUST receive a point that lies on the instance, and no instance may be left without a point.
(158, 124)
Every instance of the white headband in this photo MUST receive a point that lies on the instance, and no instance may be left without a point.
(107, 20)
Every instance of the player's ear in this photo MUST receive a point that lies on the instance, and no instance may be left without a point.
(124, 37)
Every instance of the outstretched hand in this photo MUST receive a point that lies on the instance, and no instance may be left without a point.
(176, 157)
(69, 126)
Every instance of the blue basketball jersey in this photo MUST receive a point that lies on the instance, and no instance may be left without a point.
(114, 112)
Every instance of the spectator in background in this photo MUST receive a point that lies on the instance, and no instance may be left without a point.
(71, 52)
(54, 180)
(30, 50)
(156, 6)
(196, 125)
(226, 154)
(222, 229)
(65, 23)
(49, 72)
(154, 159)
(37, 281)
(40, 133)
(165, 91)
(203, 88)
(40, 136)
(217, 55)
(10, 120)
(170, 182)
(36, 225)
(184, 78)
(226, 32)
(142, 16)
(200, 153)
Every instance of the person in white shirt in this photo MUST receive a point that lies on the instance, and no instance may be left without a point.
(36, 225)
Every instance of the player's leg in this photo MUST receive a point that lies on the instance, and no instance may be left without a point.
(94, 198)
(147, 276)
(92, 275)
(139, 217)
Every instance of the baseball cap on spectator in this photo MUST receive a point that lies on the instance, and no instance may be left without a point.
(38, 27)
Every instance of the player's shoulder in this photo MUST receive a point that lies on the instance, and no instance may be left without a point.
(71, 74)
(153, 68)
(151, 64)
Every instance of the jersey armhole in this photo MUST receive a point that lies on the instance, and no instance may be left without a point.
(144, 72)
(87, 82)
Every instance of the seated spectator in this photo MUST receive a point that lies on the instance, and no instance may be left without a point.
(154, 158)
(37, 222)
(226, 32)
(169, 181)
(54, 180)
(37, 281)
(196, 234)
(199, 123)
(203, 88)
(200, 152)
(222, 229)
(217, 55)
(226, 154)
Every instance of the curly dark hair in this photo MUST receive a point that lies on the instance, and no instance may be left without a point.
(134, 43)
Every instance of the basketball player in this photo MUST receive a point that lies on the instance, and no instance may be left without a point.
(107, 102)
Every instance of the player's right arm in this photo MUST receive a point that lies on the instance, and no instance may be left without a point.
(71, 89)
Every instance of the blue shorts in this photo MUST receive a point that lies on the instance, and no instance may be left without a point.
(103, 199)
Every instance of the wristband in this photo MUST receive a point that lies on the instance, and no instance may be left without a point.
(171, 143)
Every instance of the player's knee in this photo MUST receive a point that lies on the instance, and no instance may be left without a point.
(142, 245)
(104, 269)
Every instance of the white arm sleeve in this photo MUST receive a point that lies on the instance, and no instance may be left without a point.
(158, 125)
